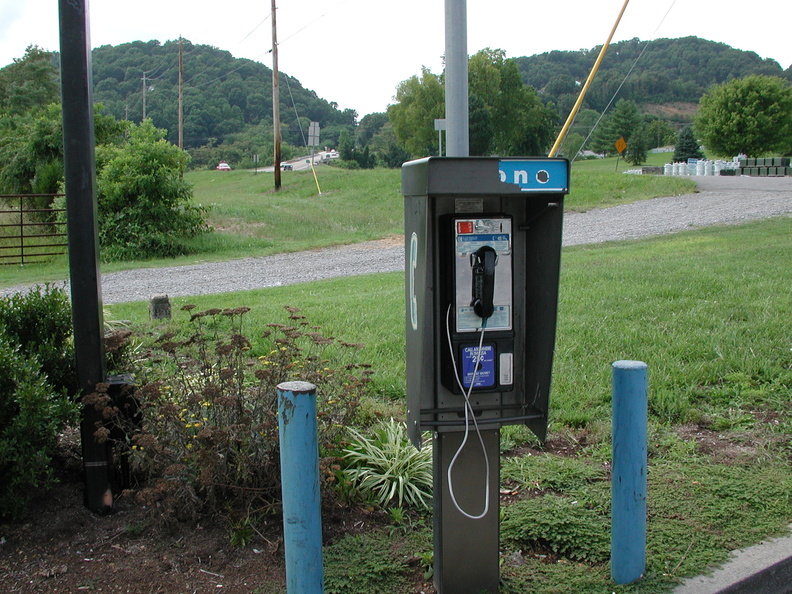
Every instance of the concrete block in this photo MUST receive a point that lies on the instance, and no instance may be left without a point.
(159, 307)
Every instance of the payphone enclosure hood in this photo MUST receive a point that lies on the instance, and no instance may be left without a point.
(449, 176)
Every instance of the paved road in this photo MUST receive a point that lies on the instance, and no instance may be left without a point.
(721, 200)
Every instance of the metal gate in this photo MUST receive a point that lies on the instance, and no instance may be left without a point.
(29, 234)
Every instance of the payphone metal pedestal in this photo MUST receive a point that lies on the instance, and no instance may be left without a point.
(502, 219)
(465, 550)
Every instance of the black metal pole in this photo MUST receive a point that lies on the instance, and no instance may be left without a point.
(83, 238)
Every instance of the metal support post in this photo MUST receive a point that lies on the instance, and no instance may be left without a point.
(86, 288)
(456, 79)
(465, 550)
(299, 457)
(628, 486)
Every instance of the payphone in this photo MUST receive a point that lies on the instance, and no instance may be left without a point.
(483, 246)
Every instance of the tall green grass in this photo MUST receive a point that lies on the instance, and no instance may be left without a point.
(709, 311)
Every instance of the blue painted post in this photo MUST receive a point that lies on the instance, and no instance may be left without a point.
(299, 456)
(628, 483)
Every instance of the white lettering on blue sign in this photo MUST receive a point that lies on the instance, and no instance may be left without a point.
(484, 372)
(535, 175)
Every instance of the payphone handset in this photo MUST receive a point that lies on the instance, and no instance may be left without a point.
(483, 273)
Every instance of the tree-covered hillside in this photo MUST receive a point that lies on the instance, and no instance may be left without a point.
(669, 71)
(227, 101)
(222, 95)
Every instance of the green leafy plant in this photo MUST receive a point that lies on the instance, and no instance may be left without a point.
(401, 522)
(39, 321)
(363, 563)
(208, 441)
(37, 378)
(145, 206)
(565, 526)
(548, 472)
(386, 467)
(514, 436)
(31, 415)
(241, 533)
(426, 558)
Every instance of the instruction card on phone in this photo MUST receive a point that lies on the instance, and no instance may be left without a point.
(470, 235)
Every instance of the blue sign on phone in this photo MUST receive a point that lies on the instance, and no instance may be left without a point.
(485, 376)
(536, 175)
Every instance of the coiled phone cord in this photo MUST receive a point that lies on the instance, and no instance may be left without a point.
(468, 414)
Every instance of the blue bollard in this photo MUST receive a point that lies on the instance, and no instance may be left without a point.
(628, 482)
(299, 457)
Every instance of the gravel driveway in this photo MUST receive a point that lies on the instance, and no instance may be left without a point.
(720, 200)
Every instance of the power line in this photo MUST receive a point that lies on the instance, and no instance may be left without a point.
(317, 19)
(626, 76)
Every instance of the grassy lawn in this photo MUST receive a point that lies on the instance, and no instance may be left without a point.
(251, 219)
(708, 310)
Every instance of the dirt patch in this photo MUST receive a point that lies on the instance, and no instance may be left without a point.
(63, 547)
(241, 227)
(680, 112)
(733, 447)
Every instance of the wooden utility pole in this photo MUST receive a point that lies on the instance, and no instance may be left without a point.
(276, 102)
(181, 94)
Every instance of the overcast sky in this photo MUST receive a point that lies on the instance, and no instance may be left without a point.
(355, 52)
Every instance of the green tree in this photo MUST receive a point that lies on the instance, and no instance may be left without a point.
(638, 146)
(751, 115)
(521, 123)
(369, 126)
(669, 71)
(145, 207)
(687, 147)
(524, 126)
(346, 147)
(659, 132)
(31, 148)
(622, 123)
(573, 143)
(419, 101)
(481, 130)
(387, 150)
(31, 81)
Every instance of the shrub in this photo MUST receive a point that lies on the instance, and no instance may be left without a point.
(209, 437)
(37, 378)
(386, 467)
(145, 207)
(31, 416)
(40, 323)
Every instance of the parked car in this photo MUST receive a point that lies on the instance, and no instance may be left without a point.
(223, 166)
(286, 166)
